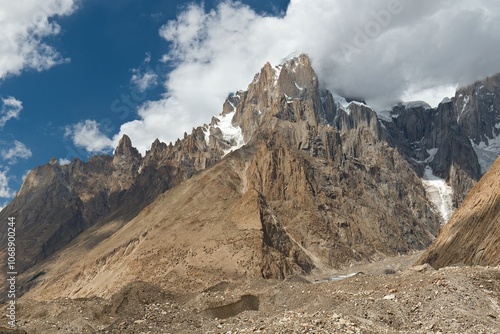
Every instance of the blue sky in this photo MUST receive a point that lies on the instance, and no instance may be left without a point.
(105, 43)
(75, 75)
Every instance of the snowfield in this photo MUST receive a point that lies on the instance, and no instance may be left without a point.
(439, 193)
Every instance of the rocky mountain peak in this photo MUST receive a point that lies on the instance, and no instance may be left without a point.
(297, 77)
(126, 162)
(287, 92)
(157, 147)
(125, 148)
(358, 115)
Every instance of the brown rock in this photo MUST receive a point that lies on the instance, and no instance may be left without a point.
(471, 237)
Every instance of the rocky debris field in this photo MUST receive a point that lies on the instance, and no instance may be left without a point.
(384, 298)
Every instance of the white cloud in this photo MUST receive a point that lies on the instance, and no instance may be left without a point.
(379, 50)
(63, 161)
(11, 108)
(19, 151)
(433, 96)
(5, 191)
(144, 77)
(24, 25)
(144, 81)
(88, 135)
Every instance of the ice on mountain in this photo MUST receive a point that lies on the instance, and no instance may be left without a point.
(466, 103)
(432, 154)
(206, 131)
(298, 87)
(360, 104)
(230, 133)
(277, 72)
(439, 193)
(385, 115)
(340, 101)
(232, 105)
(487, 153)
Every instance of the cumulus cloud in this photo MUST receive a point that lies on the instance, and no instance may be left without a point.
(63, 161)
(18, 151)
(5, 191)
(143, 81)
(144, 77)
(88, 135)
(11, 108)
(378, 50)
(24, 26)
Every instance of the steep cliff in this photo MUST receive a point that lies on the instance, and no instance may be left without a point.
(471, 237)
(477, 109)
(432, 138)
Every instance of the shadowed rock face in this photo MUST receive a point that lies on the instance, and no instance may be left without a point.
(419, 130)
(477, 110)
(471, 237)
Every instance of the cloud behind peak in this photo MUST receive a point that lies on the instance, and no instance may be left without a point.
(382, 51)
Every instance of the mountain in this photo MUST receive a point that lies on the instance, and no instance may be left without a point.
(436, 144)
(477, 109)
(471, 237)
(287, 180)
(56, 203)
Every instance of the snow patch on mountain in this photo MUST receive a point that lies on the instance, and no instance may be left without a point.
(432, 154)
(341, 103)
(439, 193)
(231, 134)
(385, 115)
(206, 131)
(360, 104)
(487, 153)
(416, 104)
(466, 101)
(277, 72)
(355, 103)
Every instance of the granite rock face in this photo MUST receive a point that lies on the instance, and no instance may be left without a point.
(477, 109)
